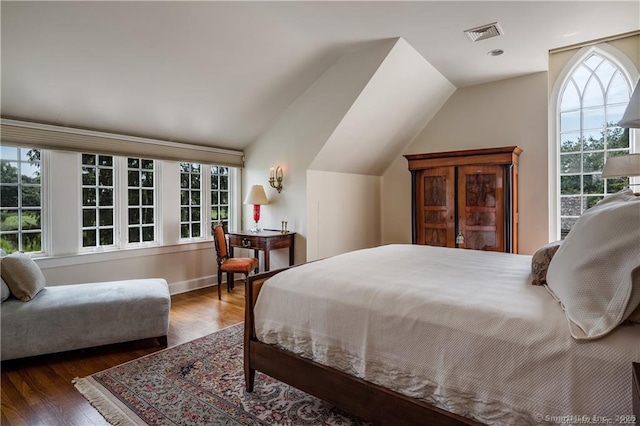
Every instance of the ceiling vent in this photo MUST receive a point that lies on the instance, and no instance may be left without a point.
(484, 32)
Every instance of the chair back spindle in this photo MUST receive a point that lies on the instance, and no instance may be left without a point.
(221, 243)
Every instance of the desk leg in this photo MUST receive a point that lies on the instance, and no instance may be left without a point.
(291, 251)
(266, 259)
(230, 284)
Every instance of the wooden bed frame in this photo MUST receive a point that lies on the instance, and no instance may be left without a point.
(356, 396)
(636, 392)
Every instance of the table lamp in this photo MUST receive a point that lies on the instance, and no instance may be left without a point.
(257, 197)
(622, 166)
(631, 116)
(626, 165)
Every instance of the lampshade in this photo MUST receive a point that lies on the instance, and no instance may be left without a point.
(622, 166)
(631, 116)
(256, 196)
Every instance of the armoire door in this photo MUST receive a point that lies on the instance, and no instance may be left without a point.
(481, 207)
(435, 207)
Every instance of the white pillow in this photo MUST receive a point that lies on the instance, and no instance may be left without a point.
(4, 290)
(592, 273)
(22, 275)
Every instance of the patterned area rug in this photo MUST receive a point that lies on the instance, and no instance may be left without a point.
(201, 383)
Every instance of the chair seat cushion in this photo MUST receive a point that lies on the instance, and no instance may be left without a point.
(239, 264)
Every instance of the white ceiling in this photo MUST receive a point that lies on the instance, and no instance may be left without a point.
(218, 73)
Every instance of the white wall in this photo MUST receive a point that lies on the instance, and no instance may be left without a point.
(343, 213)
(503, 113)
(298, 135)
(350, 122)
(185, 267)
(398, 100)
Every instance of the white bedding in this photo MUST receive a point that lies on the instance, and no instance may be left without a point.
(462, 329)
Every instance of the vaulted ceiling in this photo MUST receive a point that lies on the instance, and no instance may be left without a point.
(219, 73)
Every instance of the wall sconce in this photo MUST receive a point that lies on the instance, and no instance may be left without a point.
(275, 178)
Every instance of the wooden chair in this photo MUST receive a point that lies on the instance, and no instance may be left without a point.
(227, 264)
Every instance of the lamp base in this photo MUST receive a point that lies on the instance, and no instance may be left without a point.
(256, 218)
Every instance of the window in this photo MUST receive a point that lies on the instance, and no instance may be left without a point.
(102, 197)
(141, 200)
(98, 203)
(591, 102)
(204, 188)
(21, 200)
(220, 196)
(102, 204)
(190, 200)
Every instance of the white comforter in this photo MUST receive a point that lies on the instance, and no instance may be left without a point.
(464, 330)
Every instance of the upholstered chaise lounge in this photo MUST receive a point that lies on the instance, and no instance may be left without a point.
(36, 319)
(67, 317)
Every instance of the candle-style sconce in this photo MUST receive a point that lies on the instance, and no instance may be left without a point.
(275, 178)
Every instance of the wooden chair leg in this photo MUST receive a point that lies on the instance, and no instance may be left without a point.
(219, 284)
(229, 281)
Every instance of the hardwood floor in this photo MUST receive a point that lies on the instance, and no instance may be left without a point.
(38, 390)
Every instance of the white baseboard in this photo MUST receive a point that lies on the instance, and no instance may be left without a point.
(195, 284)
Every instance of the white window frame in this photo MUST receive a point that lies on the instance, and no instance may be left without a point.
(202, 206)
(121, 208)
(229, 192)
(62, 203)
(61, 149)
(44, 226)
(116, 225)
(630, 73)
(123, 211)
(234, 202)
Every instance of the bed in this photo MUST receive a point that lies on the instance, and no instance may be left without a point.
(417, 330)
(410, 334)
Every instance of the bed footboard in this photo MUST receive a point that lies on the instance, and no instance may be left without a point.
(254, 283)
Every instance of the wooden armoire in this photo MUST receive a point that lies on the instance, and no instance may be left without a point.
(466, 199)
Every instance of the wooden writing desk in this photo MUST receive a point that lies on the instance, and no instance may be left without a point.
(265, 240)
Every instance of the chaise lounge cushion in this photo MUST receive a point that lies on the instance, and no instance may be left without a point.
(68, 317)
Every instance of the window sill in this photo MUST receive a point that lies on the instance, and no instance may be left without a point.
(127, 253)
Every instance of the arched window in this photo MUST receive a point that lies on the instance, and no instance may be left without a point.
(591, 101)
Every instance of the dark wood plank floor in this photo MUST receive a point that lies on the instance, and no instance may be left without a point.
(38, 390)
